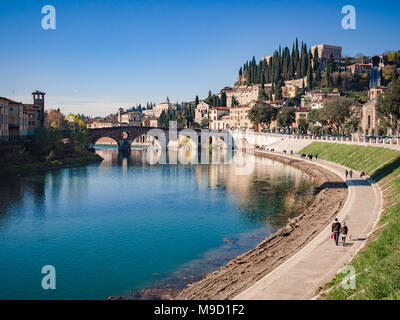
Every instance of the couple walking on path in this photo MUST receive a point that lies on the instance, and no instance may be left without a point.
(349, 173)
(337, 229)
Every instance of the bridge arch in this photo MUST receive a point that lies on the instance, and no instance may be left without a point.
(104, 139)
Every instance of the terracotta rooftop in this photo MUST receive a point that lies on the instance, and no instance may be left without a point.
(219, 108)
(276, 101)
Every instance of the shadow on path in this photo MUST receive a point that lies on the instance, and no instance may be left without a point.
(359, 183)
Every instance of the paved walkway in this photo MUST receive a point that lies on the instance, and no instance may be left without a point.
(317, 263)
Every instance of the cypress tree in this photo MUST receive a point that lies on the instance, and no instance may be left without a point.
(315, 60)
(223, 99)
(309, 77)
(328, 71)
(297, 60)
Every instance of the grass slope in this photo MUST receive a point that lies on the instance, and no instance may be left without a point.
(378, 264)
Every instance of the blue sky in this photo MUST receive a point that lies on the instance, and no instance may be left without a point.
(109, 54)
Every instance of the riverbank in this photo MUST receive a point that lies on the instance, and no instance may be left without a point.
(29, 164)
(245, 270)
(377, 264)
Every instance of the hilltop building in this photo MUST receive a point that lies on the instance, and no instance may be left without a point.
(166, 106)
(148, 112)
(242, 94)
(128, 118)
(358, 68)
(325, 51)
(374, 92)
(201, 112)
(239, 117)
(316, 98)
(300, 114)
(219, 118)
(101, 123)
(377, 62)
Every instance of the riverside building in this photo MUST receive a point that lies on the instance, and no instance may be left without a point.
(3, 119)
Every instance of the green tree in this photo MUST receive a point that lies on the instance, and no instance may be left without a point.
(163, 119)
(286, 117)
(388, 105)
(41, 144)
(234, 101)
(388, 72)
(262, 95)
(223, 99)
(315, 60)
(310, 83)
(261, 113)
(328, 71)
(337, 111)
(303, 126)
(204, 123)
(352, 125)
(79, 132)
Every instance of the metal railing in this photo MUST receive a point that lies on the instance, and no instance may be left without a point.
(14, 139)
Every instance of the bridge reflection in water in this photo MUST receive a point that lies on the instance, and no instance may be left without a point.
(148, 156)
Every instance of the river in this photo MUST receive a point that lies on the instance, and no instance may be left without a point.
(123, 225)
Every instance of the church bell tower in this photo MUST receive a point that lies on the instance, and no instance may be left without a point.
(38, 99)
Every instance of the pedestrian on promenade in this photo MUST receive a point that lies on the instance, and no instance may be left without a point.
(343, 231)
(362, 174)
(335, 230)
(347, 173)
(316, 157)
(351, 173)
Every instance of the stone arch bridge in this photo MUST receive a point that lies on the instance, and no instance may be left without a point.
(124, 136)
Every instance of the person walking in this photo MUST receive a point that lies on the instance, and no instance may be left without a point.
(316, 157)
(347, 173)
(335, 230)
(351, 173)
(343, 231)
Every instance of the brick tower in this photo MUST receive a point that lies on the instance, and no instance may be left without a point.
(38, 99)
